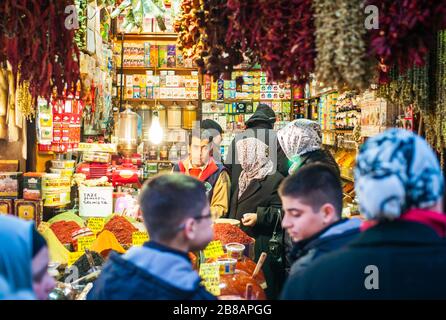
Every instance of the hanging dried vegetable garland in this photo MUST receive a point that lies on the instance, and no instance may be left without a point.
(342, 58)
(278, 34)
(406, 31)
(189, 26)
(36, 42)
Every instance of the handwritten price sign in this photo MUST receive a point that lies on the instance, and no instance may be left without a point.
(214, 250)
(210, 275)
(73, 256)
(139, 238)
(85, 243)
(96, 224)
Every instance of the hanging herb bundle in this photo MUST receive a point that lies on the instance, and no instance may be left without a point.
(441, 80)
(326, 31)
(36, 42)
(406, 31)
(342, 58)
(80, 37)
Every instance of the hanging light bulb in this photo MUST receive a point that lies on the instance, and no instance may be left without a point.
(155, 131)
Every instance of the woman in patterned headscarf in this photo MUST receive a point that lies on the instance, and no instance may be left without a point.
(301, 141)
(398, 177)
(256, 203)
(401, 253)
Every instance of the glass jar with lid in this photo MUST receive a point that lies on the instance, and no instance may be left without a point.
(174, 116)
(145, 112)
(162, 114)
(189, 116)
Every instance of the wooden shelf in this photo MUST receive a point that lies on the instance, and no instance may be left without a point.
(159, 161)
(317, 96)
(153, 100)
(139, 69)
(344, 130)
(147, 36)
(245, 100)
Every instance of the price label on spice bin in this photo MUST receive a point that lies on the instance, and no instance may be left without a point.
(73, 256)
(139, 238)
(96, 224)
(213, 250)
(210, 275)
(85, 243)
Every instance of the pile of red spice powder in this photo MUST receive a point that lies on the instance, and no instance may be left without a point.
(64, 229)
(121, 228)
(228, 233)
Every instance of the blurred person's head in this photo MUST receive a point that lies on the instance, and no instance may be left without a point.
(214, 128)
(397, 171)
(201, 148)
(43, 282)
(312, 201)
(16, 236)
(298, 138)
(263, 117)
(176, 211)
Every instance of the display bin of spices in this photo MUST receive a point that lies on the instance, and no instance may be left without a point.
(122, 229)
(64, 230)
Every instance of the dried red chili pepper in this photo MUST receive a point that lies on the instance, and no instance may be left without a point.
(35, 40)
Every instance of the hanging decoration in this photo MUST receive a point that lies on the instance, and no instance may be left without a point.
(407, 29)
(278, 34)
(342, 59)
(36, 42)
(137, 9)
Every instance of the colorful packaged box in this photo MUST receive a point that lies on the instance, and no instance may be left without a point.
(136, 92)
(162, 56)
(32, 185)
(180, 58)
(171, 56)
(10, 185)
(6, 207)
(28, 210)
(154, 56)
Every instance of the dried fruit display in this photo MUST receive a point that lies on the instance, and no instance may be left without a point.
(35, 41)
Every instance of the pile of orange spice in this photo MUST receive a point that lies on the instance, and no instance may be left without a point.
(121, 228)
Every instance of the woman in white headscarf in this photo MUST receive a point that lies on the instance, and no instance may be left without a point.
(256, 203)
(301, 141)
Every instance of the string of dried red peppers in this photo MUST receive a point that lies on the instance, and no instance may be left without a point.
(407, 29)
(36, 41)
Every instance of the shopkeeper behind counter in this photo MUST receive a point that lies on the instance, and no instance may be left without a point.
(201, 165)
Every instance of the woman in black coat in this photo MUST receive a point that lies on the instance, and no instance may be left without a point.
(256, 203)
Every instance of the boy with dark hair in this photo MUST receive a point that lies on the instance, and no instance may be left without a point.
(177, 217)
(202, 165)
(312, 201)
